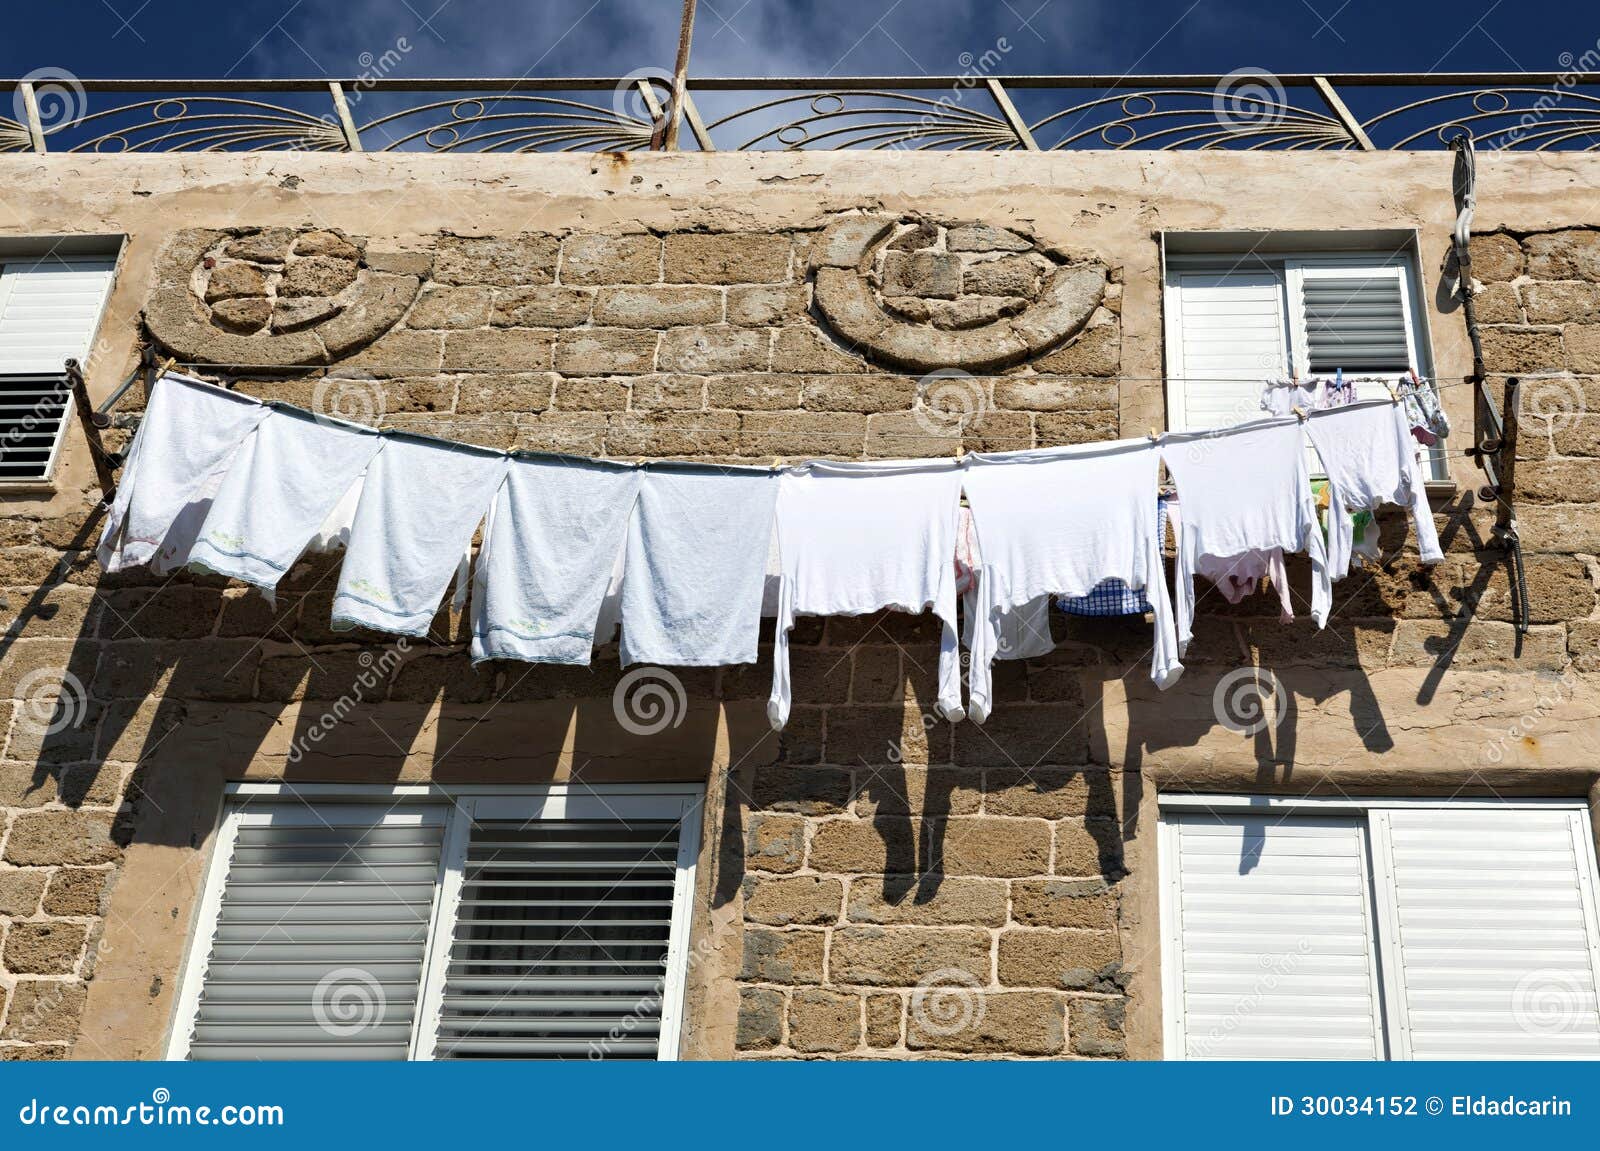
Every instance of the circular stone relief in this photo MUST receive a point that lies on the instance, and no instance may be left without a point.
(921, 294)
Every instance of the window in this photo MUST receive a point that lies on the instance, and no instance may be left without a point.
(550, 924)
(1235, 321)
(1303, 929)
(49, 309)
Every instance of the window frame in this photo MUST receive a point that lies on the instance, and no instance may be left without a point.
(1288, 267)
(68, 251)
(458, 807)
(1378, 878)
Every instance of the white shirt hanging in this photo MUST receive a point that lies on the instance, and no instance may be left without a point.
(858, 537)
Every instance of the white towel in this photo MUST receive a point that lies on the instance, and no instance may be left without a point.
(1060, 521)
(189, 436)
(335, 530)
(696, 562)
(1370, 459)
(420, 505)
(553, 536)
(857, 537)
(286, 480)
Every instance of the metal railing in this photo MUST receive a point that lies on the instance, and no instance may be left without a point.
(1246, 110)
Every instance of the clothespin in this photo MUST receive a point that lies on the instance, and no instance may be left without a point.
(1299, 413)
(1394, 396)
(165, 365)
(1155, 436)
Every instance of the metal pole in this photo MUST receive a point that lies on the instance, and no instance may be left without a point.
(680, 76)
(91, 422)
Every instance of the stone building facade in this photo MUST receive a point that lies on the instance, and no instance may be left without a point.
(873, 881)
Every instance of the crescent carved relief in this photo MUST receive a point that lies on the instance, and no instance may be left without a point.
(921, 295)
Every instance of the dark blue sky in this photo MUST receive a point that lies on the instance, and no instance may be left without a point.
(254, 38)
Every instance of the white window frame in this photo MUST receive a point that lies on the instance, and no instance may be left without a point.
(1381, 910)
(1288, 269)
(457, 807)
(21, 259)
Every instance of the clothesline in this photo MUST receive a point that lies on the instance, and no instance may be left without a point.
(227, 484)
(1439, 382)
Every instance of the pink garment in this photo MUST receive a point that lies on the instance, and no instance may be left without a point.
(1237, 576)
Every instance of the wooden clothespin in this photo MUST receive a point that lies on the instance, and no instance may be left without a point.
(1394, 396)
(165, 365)
(1155, 436)
(1299, 413)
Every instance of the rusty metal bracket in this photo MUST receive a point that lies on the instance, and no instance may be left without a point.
(92, 423)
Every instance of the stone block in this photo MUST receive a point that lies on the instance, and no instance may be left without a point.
(529, 258)
(792, 956)
(657, 306)
(1074, 960)
(726, 258)
(905, 956)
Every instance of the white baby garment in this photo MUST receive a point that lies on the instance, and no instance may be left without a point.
(857, 537)
(420, 505)
(285, 481)
(1061, 520)
(1243, 489)
(1022, 632)
(553, 536)
(696, 561)
(189, 436)
(1370, 459)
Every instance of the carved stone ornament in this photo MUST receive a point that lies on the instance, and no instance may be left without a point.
(923, 295)
(275, 297)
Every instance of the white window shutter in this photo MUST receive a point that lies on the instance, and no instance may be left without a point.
(49, 310)
(1271, 953)
(562, 935)
(1226, 337)
(1493, 946)
(1352, 317)
(322, 922)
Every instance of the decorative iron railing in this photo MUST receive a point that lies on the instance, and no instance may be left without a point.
(1245, 110)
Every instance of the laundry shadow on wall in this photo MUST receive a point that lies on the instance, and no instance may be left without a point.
(185, 683)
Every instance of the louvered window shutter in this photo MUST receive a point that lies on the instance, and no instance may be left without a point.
(33, 419)
(561, 940)
(1272, 925)
(322, 927)
(1354, 318)
(49, 310)
(1492, 938)
(1229, 339)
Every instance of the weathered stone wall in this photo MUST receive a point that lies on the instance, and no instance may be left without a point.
(877, 882)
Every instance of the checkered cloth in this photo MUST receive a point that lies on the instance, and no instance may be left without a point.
(1113, 596)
